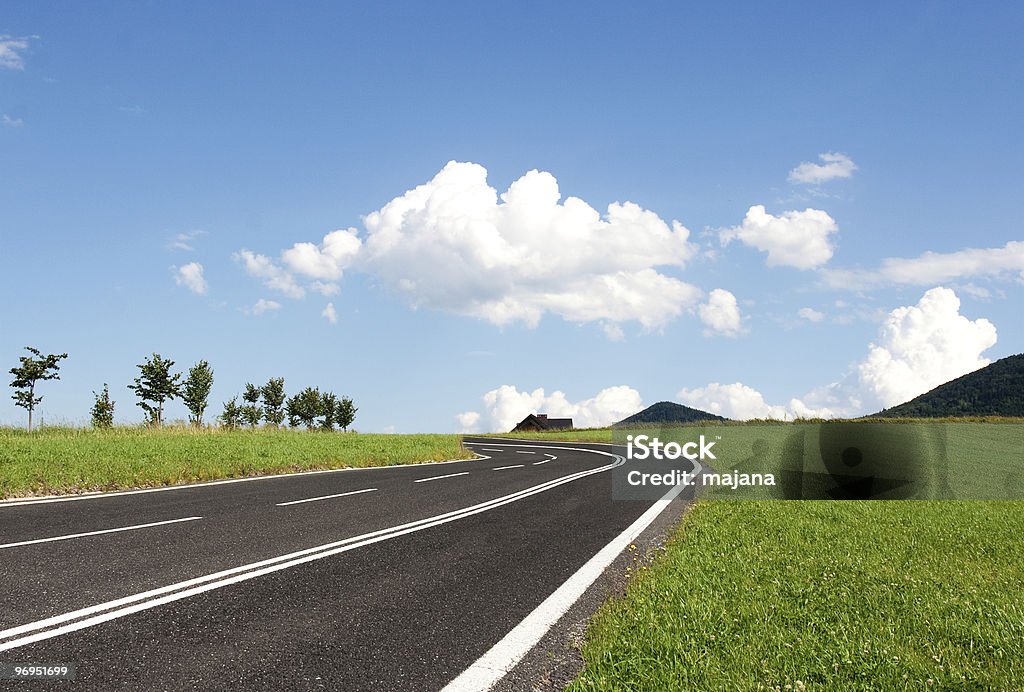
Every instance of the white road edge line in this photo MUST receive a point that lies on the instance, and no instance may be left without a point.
(96, 533)
(23, 501)
(111, 610)
(326, 497)
(507, 653)
(502, 468)
(437, 478)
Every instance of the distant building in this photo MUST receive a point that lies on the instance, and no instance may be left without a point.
(539, 422)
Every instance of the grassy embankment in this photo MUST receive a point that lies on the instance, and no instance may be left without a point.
(62, 460)
(576, 435)
(829, 595)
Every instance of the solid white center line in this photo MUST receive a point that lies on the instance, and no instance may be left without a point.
(96, 533)
(325, 497)
(502, 468)
(437, 478)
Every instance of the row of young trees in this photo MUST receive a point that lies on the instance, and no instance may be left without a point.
(310, 407)
(157, 384)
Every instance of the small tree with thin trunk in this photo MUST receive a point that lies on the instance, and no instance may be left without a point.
(305, 408)
(273, 401)
(155, 385)
(103, 409)
(231, 416)
(195, 393)
(34, 368)
(329, 406)
(345, 413)
(251, 412)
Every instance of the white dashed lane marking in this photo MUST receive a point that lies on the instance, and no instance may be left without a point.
(325, 497)
(437, 478)
(96, 533)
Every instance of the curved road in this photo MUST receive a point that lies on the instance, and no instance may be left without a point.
(402, 577)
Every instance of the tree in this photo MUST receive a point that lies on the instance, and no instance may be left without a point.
(273, 401)
(328, 407)
(305, 408)
(155, 385)
(34, 368)
(195, 393)
(345, 413)
(251, 413)
(231, 418)
(103, 409)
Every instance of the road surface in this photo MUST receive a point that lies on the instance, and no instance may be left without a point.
(405, 577)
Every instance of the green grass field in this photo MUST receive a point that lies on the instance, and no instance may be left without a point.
(822, 595)
(829, 595)
(580, 435)
(63, 460)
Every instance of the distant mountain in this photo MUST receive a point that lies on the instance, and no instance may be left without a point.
(667, 412)
(995, 390)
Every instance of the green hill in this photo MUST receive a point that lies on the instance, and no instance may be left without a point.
(667, 412)
(995, 390)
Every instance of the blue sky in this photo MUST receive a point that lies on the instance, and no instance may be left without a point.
(141, 141)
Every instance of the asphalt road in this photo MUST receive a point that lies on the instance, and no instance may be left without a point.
(390, 578)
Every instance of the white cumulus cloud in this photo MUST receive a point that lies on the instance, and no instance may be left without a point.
(918, 348)
(325, 288)
(735, 400)
(922, 346)
(455, 244)
(263, 305)
(330, 314)
(191, 277)
(273, 276)
(742, 402)
(11, 52)
(11, 122)
(327, 260)
(613, 331)
(795, 239)
(934, 267)
(185, 241)
(468, 422)
(810, 314)
(832, 166)
(505, 406)
(721, 314)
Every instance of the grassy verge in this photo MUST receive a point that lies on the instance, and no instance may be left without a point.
(822, 595)
(61, 460)
(581, 435)
(831, 595)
